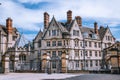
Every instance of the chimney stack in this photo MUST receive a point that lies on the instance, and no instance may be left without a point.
(79, 20)
(96, 28)
(46, 20)
(9, 25)
(69, 16)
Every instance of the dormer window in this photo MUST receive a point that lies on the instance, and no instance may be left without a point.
(85, 35)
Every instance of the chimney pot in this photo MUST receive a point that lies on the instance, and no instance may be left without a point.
(95, 27)
(9, 25)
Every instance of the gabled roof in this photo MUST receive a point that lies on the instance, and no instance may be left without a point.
(62, 28)
(60, 25)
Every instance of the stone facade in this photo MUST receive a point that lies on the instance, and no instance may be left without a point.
(112, 58)
(8, 37)
(14, 56)
(83, 45)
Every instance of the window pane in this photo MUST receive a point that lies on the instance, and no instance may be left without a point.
(48, 43)
(54, 53)
(77, 64)
(59, 43)
(53, 32)
(53, 43)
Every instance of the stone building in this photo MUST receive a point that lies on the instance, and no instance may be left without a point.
(8, 37)
(13, 55)
(70, 46)
(112, 58)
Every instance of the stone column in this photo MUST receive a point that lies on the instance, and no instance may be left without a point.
(5, 63)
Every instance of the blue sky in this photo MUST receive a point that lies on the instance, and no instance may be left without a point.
(27, 15)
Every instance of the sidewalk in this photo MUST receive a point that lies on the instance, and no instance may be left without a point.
(35, 76)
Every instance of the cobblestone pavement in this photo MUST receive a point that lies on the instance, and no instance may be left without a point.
(96, 77)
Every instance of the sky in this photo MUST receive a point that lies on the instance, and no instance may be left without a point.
(27, 15)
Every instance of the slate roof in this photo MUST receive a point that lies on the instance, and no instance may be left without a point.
(102, 32)
(69, 26)
(62, 28)
(88, 30)
(40, 33)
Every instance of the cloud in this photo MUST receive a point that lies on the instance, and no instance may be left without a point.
(32, 1)
(104, 11)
